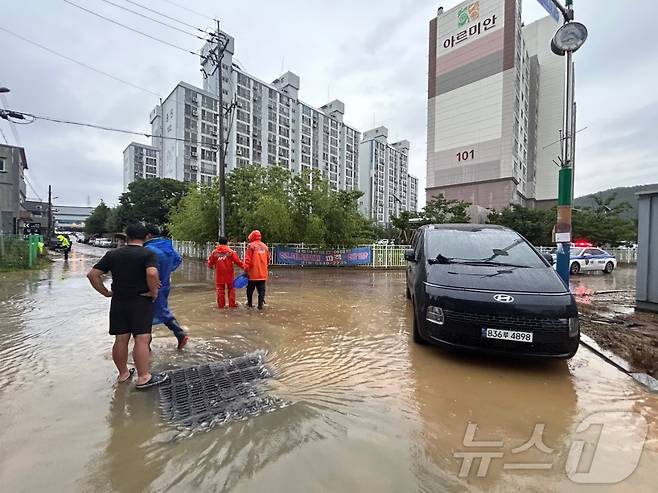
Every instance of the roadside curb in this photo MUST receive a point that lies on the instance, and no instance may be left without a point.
(647, 381)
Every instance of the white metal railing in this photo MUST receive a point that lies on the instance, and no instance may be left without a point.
(383, 256)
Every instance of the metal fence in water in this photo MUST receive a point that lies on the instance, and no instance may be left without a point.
(383, 256)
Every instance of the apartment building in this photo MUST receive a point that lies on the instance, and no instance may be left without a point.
(412, 197)
(270, 125)
(384, 177)
(482, 107)
(139, 161)
(266, 124)
(546, 108)
(185, 131)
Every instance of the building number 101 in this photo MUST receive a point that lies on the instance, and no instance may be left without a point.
(465, 155)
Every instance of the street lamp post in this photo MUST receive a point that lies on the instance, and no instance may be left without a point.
(566, 41)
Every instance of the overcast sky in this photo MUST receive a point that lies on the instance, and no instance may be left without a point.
(370, 54)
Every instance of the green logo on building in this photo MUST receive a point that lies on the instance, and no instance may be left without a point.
(468, 14)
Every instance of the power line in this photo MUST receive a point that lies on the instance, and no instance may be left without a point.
(12, 127)
(82, 64)
(7, 113)
(4, 137)
(553, 143)
(78, 62)
(154, 20)
(130, 28)
(166, 16)
(32, 188)
(207, 17)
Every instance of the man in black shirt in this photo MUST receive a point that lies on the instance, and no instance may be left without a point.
(135, 284)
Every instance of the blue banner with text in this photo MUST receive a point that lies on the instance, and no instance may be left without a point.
(343, 256)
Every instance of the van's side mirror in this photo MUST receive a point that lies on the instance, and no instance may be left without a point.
(549, 258)
(410, 255)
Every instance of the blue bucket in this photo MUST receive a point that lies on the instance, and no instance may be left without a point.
(241, 281)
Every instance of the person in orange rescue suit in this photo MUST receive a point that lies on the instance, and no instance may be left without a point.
(222, 259)
(256, 261)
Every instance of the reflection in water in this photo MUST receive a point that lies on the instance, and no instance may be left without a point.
(369, 410)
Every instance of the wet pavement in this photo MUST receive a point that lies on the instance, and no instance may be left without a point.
(367, 409)
(616, 291)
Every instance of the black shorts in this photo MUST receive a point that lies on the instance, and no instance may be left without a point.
(131, 315)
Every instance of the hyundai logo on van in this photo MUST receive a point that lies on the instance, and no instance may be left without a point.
(503, 298)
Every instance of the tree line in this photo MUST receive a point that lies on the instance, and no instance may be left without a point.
(287, 207)
(301, 207)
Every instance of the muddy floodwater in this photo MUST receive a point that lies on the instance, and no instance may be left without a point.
(367, 410)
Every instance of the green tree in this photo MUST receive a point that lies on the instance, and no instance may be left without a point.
(286, 207)
(315, 231)
(118, 218)
(96, 223)
(536, 225)
(404, 226)
(604, 223)
(272, 217)
(151, 200)
(439, 210)
(196, 216)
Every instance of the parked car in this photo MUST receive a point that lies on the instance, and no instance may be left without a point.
(590, 260)
(486, 288)
(104, 243)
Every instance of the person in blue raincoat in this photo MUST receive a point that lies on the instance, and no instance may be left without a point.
(168, 261)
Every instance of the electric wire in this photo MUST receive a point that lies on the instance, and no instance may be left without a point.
(153, 20)
(207, 17)
(4, 137)
(7, 113)
(185, 50)
(32, 188)
(166, 16)
(14, 132)
(78, 62)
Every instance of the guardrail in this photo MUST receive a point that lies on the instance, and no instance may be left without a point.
(382, 256)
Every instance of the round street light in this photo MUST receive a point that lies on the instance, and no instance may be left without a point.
(569, 38)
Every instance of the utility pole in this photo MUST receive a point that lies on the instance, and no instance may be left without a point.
(50, 214)
(216, 55)
(220, 141)
(566, 41)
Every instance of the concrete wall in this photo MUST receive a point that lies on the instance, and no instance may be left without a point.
(647, 261)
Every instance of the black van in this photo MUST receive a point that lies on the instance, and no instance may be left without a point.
(485, 287)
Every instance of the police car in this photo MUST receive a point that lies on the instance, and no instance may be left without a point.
(590, 259)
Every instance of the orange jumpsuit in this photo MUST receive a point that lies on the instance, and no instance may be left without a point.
(222, 259)
(256, 262)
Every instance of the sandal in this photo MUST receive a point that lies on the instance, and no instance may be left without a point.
(131, 373)
(156, 379)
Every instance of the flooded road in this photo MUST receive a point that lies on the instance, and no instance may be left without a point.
(367, 410)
